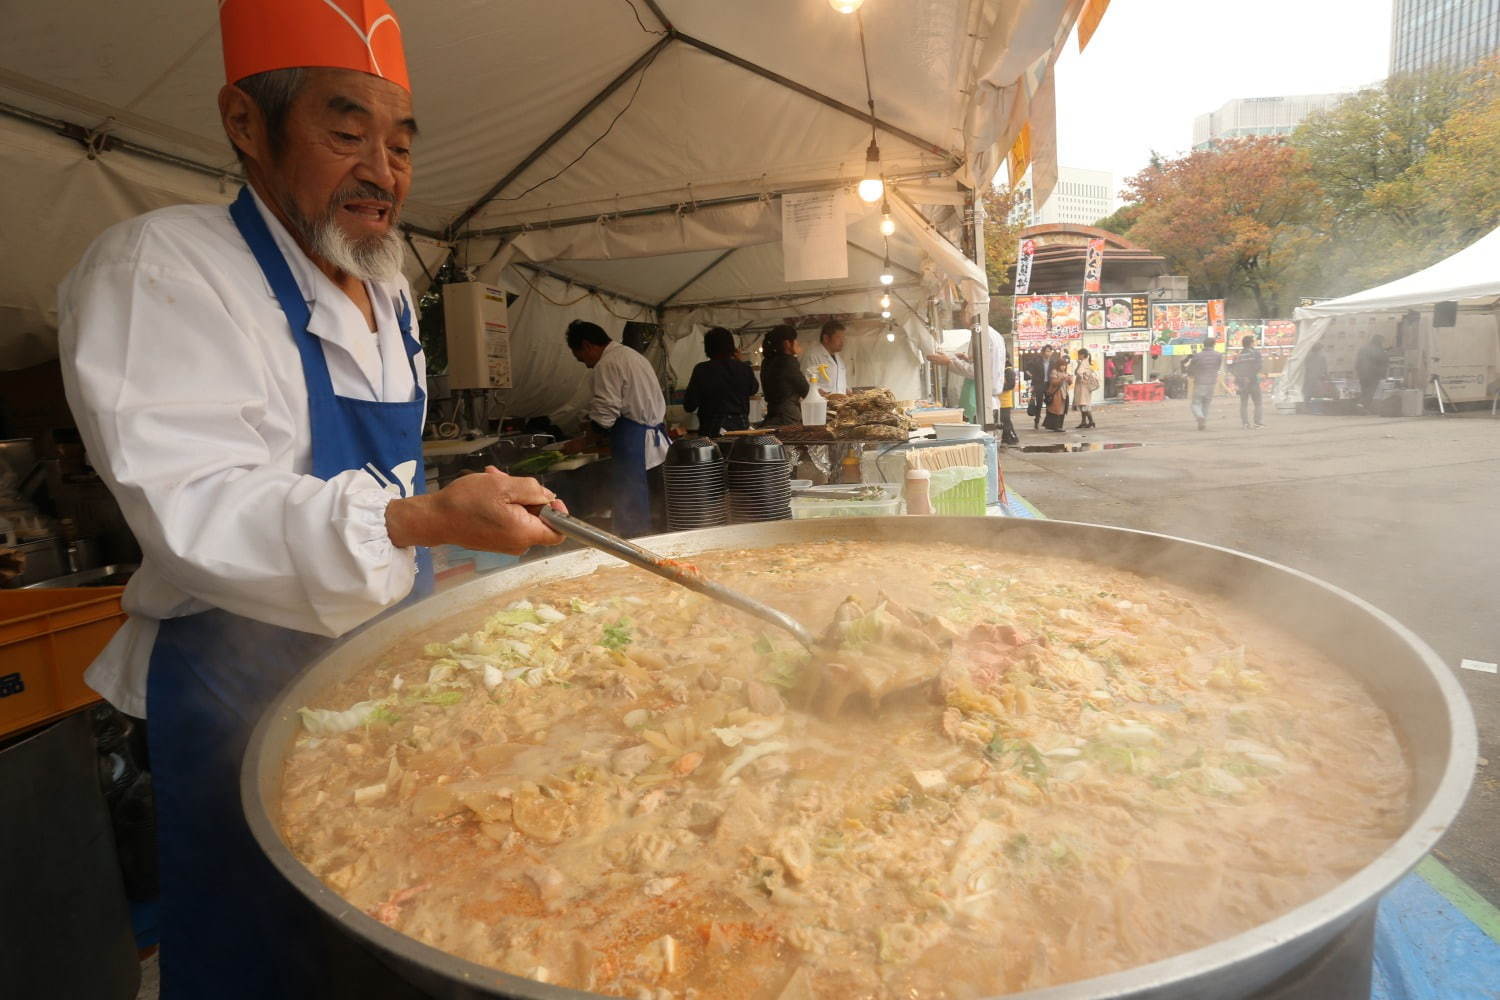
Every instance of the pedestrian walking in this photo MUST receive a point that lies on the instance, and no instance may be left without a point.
(1008, 433)
(1245, 370)
(1203, 368)
(1085, 384)
(1058, 385)
(1315, 373)
(1110, 378)
(1370, 365)
(1039, 374)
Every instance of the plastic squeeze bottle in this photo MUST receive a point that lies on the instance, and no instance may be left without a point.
(918, 491)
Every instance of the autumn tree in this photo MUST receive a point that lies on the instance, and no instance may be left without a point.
(1235, 219)
(1406, 173)
(1006, 213)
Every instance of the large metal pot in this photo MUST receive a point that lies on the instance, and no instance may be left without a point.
(1321, 948)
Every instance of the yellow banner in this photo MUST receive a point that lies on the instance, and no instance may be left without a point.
(1088, 20)
(1020, 155)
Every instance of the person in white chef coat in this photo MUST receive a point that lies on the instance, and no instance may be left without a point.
(1002, 379)
(627, 407)
(249, 383)
(824, 366)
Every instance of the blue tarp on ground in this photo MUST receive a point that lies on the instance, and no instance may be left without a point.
(1427, 949)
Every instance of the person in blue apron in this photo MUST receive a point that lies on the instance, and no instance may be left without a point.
(626, 406)
(208, 358)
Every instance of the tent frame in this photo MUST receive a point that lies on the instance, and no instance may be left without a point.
(453, 230)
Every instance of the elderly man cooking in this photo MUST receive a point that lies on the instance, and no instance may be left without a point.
(250, 385)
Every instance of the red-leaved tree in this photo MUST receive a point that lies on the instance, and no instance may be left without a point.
(1235, 219)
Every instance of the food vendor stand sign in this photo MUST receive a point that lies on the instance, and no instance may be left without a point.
(1183, 327)
(1093, 266)
(1031, 321)
(1065, 318)
(1125, 318)
(1023, 266)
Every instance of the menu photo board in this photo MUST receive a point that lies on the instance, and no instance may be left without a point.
(1066, 317)
(1123, 317)
(1183, 327)
(1239, 328)
(1279, 333)
(1031, 318)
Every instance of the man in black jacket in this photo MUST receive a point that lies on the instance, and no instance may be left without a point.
(1246, 371)
(1038, 371)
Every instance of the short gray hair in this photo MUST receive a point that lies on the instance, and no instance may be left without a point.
(273, 93)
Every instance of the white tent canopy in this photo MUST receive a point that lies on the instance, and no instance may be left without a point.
(635, 149)
(1470, 277)
(1463, 356)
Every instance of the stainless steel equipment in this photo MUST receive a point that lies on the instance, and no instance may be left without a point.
(582, 531)
(1320, 949)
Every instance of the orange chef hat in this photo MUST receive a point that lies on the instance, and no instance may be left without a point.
(261, 35)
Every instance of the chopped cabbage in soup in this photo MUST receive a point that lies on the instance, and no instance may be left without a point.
(1013, 772)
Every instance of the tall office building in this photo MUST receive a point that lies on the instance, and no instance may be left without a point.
(1453, 33)
(1247, 116)
(1081, 198)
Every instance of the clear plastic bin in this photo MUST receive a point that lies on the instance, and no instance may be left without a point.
(809, 507)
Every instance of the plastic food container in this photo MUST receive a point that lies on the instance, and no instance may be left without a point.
(804, 507)
(47, 639)
(952, 432)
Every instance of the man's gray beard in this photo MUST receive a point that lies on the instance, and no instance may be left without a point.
(374, 259)
(378, 258)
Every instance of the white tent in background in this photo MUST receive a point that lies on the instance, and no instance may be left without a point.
(633, 154)
(1465, 356)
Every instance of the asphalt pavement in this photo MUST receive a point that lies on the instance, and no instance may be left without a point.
(1402, 512)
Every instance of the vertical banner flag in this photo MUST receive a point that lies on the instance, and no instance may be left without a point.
(1216, 321)
(1094, 266)
(1023, 266)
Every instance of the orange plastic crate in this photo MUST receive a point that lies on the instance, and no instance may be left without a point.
(47, 639)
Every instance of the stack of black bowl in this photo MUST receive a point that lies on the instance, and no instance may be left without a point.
(760, 480)
(693, 477)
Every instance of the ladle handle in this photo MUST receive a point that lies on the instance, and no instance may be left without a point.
(582, 531)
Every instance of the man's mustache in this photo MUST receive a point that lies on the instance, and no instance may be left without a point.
(363, 191)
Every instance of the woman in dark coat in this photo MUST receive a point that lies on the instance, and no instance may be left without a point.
(721, 387)
(781, 378)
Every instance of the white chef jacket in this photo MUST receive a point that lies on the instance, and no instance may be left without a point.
(625, 385)
(825, 370)
(994, 360)
(187, 387)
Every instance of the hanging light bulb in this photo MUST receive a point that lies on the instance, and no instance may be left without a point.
(890, 335)
(887, 224)
(886, 277)
(846, 6)
(872, 186)
(885, 302)
(885, 314)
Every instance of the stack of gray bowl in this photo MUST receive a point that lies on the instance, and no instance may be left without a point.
(693, 477)
(760, 480)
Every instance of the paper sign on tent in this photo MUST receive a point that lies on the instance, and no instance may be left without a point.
(814, 243)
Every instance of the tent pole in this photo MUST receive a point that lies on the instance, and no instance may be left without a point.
(568, 280)
(677, 206)
(656, 10)
(876, 256)
(686, 284)
(925, 145)
(636, 67)
(813, 296)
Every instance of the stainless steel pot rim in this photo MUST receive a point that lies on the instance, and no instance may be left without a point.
(1328, 913)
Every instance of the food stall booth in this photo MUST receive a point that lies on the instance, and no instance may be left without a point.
(1440, 327)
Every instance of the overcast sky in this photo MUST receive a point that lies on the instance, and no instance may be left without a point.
(1154, 65)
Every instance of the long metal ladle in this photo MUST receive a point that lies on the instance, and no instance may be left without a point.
(582, 531)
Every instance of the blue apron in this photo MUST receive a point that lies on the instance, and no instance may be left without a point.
(627, 474)
(231, 927)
